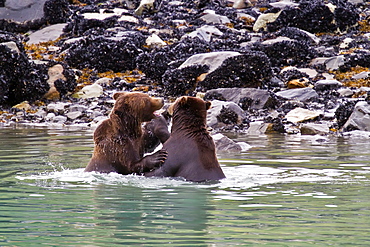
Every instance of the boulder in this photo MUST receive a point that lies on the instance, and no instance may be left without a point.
(46, 34)
(213, 114)
(360, 118)
(299, 114)
(300, 94)
(314, 129)
(247, 98)
(226, 145)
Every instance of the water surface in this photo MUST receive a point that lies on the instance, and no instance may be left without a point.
(284, 191)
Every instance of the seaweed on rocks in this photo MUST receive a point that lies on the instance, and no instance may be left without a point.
(155, 63)
(292, 74)
(315, 16)
(252, 69)
(179, 82)
(106, 53)
(285, 53)
(56, 11)
(343, 112)
(20, 79)
(228, 116)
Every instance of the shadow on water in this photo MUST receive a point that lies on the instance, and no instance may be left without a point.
(284, 191)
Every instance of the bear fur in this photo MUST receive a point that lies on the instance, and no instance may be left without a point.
(191, 150)
(121, 141)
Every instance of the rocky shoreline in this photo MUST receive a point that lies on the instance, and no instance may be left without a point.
(296, 67)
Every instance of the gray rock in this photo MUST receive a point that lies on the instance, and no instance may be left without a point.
(258, 128)
(215, 111)
(12, 46)
(314, 129)
(59, 119)
(263, 19)
(46, 34)
(225, 144)
(334, 63)
(212, 59)
(327, 84)
(77, 108)
(345, 92)
(362, 75)
(74, 115)
(300, 94)
(260, 98)
(144, 4)
(57, 107)
(360, 118)
(299, 114)
(205, 33)
(210, 16)
(21, 11)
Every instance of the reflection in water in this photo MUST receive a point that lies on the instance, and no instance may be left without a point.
(285, 191)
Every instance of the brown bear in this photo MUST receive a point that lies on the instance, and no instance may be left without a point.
(191, 150)
(121, 141)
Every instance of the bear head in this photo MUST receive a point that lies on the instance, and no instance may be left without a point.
(139, 106)
(192, 107)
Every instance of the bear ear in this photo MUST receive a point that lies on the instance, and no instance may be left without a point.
(117, 95)
(208, 105)
(183, 100)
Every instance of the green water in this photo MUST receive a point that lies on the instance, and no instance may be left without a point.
(284, 191)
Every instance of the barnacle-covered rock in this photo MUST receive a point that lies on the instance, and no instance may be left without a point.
(251, 69)
(106, 53)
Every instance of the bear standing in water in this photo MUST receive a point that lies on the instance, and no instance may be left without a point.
(120, 141)
(191, 150)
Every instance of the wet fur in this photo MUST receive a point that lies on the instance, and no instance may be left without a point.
(120, 141)
(191, 150)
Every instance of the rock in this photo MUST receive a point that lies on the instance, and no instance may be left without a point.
(106, 53)
(225, 144)
(345, 92)
(323, 85)
(54, 73)
(24, 106)
(334, 63)
(298, 115)
(283, 4)
(77, 107)
(252, 69)
(47, 34)
(314, 129)
(57, 107)
(317, 17)
(360, 118)
(307, 71)
(247, 98)
(12, 46)
(301, 94)
(210, 16)
(216, 108)
(241, 4)
(74, 115)
(258, 128)
(205, 33)
(263, 19)
(21, 11)
(20, 79)
(90, 91)
(59, 119)
(212, 59)
(361, 75)
(144, 5)
(154, 41)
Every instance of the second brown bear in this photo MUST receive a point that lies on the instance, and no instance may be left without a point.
(191, 150)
